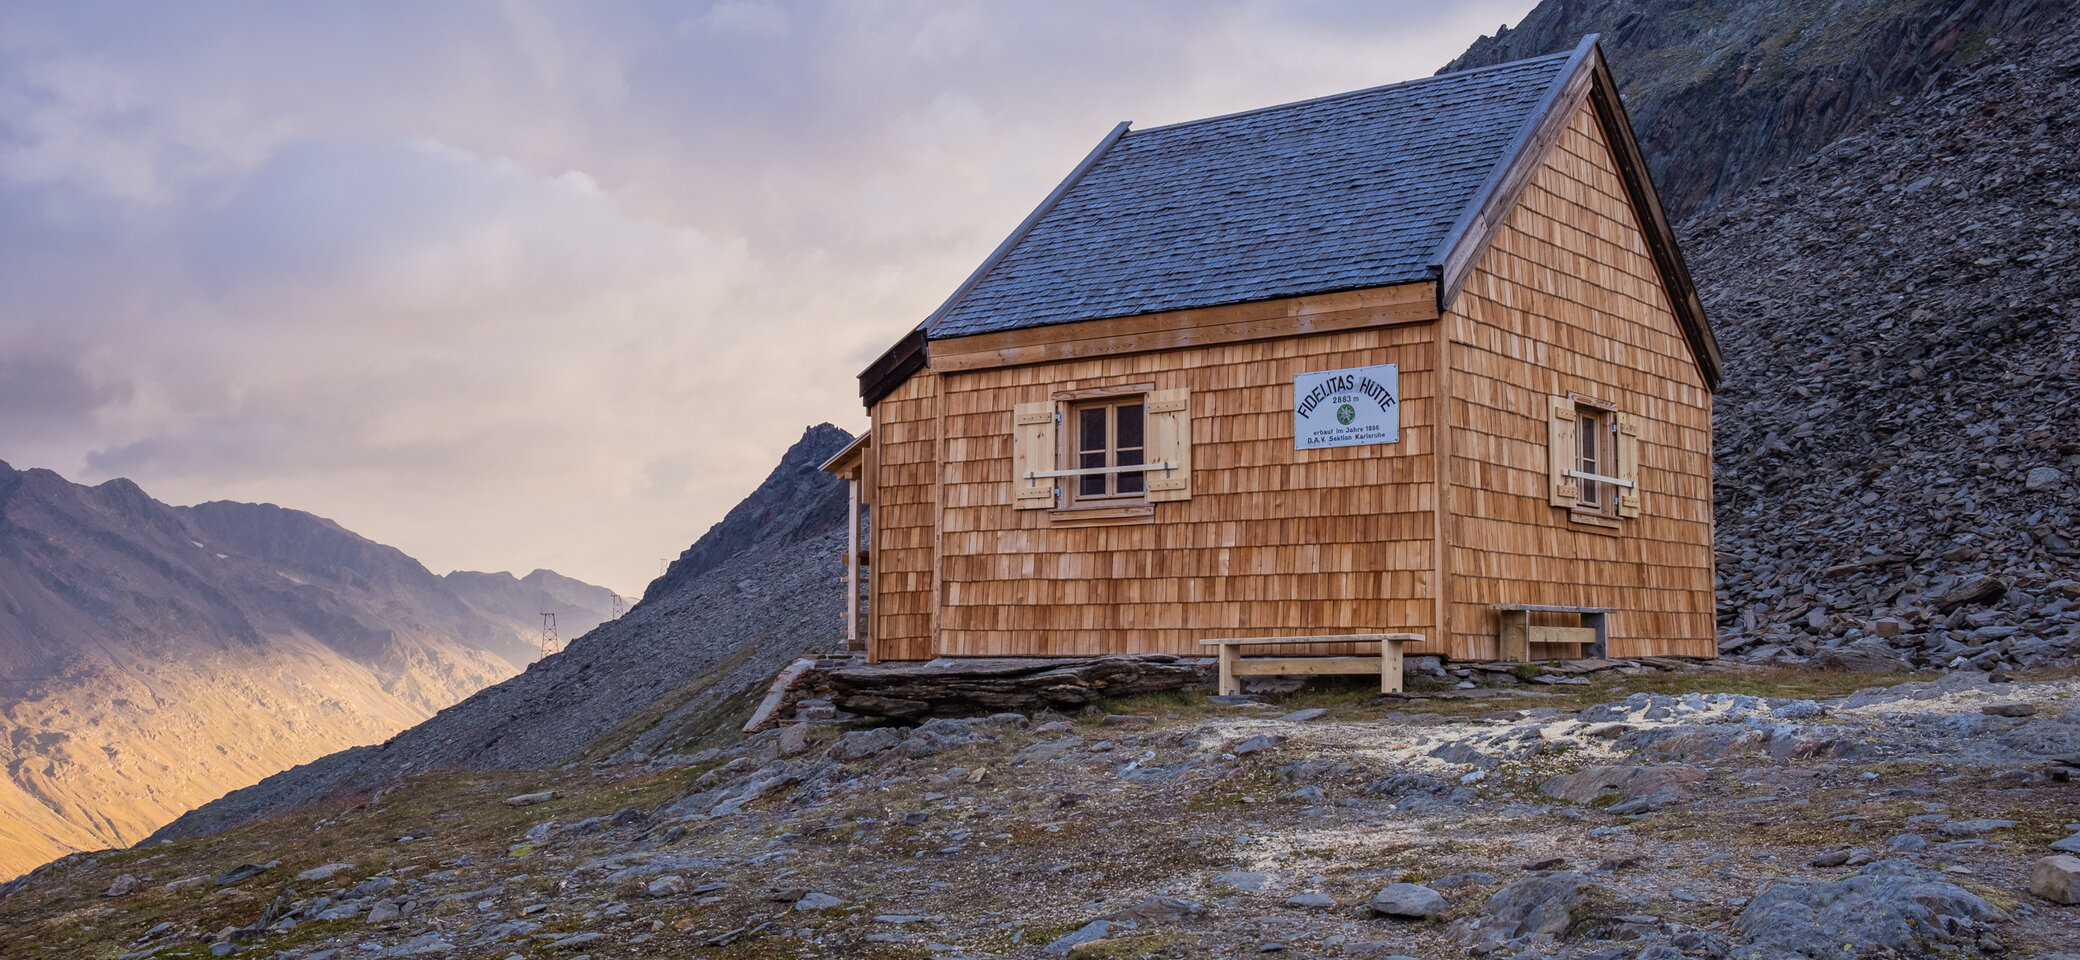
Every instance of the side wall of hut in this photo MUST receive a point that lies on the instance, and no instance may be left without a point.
(1567, 300)
(906, 442)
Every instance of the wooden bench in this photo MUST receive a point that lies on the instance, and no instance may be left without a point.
(1387, 663)
(1516, 633)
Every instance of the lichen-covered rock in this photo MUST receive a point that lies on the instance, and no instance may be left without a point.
(1888, 905)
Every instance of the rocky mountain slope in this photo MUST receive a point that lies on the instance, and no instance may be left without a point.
(1642, 814)
(1903, 321)
(1883, 199)
(153, 657)
(1725, 92)
(680, 669)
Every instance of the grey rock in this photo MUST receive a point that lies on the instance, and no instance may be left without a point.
(1868, 655)
(971, 687)
(1973, 828)
(1908, 842)
(244, 871)
(2009, 709)
(1544, 904)
(1302, 716)
(324, 872)
(1162, 909)
(2068, 845)
(1889, 905)
(2056, 878)
(2043, 478)
(530, 799)
(1311, 901)
(666, 886)
(1411, 900)
(384, 911)
(861, 744)
(817, 901)
(371, 887)
(1256, 743)
(122, 886)
(420, 945)
(1088, 933)
(1244, 880)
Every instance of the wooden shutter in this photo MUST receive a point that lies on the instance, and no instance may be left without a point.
(1561, 450)
(1032, 450)
(1170, 439)
(1628, 465)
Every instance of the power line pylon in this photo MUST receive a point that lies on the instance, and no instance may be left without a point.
(550, 645)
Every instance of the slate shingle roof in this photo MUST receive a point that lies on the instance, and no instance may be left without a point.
(1349, 191)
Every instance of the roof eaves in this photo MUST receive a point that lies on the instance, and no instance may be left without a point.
(1025, 226)
(1455, 257)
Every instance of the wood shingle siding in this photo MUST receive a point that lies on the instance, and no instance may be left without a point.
(1567, 300)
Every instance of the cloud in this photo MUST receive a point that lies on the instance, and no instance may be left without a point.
(518, 284)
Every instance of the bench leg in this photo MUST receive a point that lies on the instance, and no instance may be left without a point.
(1390, 666)
(1230, 685)
(1601, 623)
(1514, 640)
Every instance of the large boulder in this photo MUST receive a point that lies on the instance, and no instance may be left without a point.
(1547, 904)
(1642, 788)
(1889, 906)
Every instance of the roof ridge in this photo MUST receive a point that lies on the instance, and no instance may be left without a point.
(1353, 93)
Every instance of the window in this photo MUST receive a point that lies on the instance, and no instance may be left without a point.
(1110, 433)
(1594, 460)
(1101, 430)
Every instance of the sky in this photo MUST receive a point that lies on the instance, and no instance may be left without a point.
(520, 284)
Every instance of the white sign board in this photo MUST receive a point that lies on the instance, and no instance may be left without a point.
(1347, 408)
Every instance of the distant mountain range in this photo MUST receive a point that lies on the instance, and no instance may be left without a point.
(679, 672)
(154, 657)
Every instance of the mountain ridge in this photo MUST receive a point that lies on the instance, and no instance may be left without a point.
(134, 634)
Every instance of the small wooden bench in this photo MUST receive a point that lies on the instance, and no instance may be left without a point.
(1516, 633)
(1387, 663)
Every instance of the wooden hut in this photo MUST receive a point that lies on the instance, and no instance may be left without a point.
(1419, 358)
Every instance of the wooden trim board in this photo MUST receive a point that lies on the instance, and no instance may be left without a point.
(1233, 323)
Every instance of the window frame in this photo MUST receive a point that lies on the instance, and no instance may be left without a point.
(1072, 419)
(1134, 507)
(1590, 499)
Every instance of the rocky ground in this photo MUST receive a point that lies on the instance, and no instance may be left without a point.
(1654, 810)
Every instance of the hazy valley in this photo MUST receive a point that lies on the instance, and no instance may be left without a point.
(153, 657)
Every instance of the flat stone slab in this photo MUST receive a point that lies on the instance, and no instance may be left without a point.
(960, 687)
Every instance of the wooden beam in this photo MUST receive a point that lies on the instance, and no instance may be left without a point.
(1232, 323)
(1285, 666)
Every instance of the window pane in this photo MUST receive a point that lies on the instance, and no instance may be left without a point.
(1090, 431)
(1129, 482)
(1092, 485)
(1131, 420)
